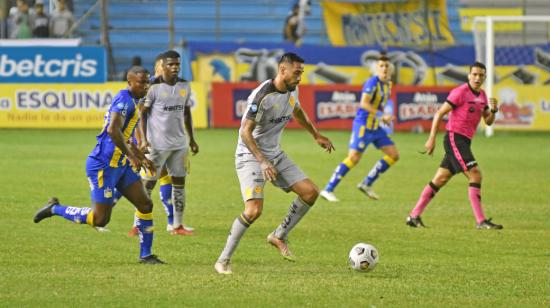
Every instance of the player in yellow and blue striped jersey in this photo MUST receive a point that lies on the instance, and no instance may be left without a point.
(113, 165)
(366, 130)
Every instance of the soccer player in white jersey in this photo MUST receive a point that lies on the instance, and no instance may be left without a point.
(166, 111)
(259, 158)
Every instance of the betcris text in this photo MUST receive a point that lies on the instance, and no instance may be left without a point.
(52, 65)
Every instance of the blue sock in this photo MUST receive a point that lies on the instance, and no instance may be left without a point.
(79, 215)
(144, 222)
(166, 198)
(380, 167)
(338, 174)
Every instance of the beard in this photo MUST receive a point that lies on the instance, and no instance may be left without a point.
(290, 87)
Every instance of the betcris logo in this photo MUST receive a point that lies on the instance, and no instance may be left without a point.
(52, 65)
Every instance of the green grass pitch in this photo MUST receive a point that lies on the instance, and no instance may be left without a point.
(450, 264)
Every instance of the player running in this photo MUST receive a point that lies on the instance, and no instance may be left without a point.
(367, 130)
(110, 166)
(466, 105)
(259, 158)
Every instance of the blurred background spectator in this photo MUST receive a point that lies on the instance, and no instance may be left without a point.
(294, 28)
(61, 20)
(40, 21)
(20, 21)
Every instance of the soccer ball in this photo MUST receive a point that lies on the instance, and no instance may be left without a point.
(363, 257)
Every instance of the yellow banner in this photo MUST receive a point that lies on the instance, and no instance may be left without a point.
(387, 24)
(467, 16)
(71, 105)
(522, 108)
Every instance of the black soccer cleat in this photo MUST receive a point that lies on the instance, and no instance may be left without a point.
(46, 211)
(488, 224)
(151, 259)
(415, 222)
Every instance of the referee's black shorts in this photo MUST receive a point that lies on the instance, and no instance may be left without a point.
(458, 154)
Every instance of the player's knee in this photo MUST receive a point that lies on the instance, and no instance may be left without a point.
(311, 194)
(354, 158)
(253, 213)
(395, 157)
(440, 180)
(475, 175)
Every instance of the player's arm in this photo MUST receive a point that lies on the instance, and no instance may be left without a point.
(490, 112)
(268, 170)
(115, 132)
(188, 121)
(305, 122)
(366, 105)
(142, 135)
(443, 110)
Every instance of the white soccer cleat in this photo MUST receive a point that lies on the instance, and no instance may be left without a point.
(223, 267)
(102, 229)
(169, 228)
(329, 196)
(367, 190)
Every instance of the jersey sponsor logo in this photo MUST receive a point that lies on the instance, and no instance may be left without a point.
(280, 119)
(174, 108)
(52, 65)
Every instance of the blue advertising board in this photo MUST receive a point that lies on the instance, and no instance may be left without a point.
(52, 65)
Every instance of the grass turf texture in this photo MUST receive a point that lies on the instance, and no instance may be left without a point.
(57, 263)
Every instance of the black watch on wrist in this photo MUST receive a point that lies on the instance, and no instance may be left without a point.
(494, 110)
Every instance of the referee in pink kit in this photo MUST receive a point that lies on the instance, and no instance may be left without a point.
(467, 104)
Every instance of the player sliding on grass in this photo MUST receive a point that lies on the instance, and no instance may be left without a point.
(259, 158)
(111, 166)
(466, 105)
(367, 130)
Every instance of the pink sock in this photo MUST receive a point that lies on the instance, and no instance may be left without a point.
(474, 193)
(425, 197)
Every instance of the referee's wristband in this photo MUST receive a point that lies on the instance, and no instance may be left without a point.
(493, 111)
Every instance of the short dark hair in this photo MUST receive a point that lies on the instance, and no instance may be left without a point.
(384, 58)
(478, 64)
(135, 70)
(290, 58)
(171, 54)
(159, 57)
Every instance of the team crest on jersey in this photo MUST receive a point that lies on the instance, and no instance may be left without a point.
(108, 193)
(253, 107)
(292, 101)
(183, 92)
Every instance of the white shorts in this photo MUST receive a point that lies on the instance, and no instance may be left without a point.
(251, 176)
(176, 162)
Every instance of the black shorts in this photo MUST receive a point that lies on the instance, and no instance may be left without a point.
(458, 155)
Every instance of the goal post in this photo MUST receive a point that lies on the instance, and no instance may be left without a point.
(485, 48)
